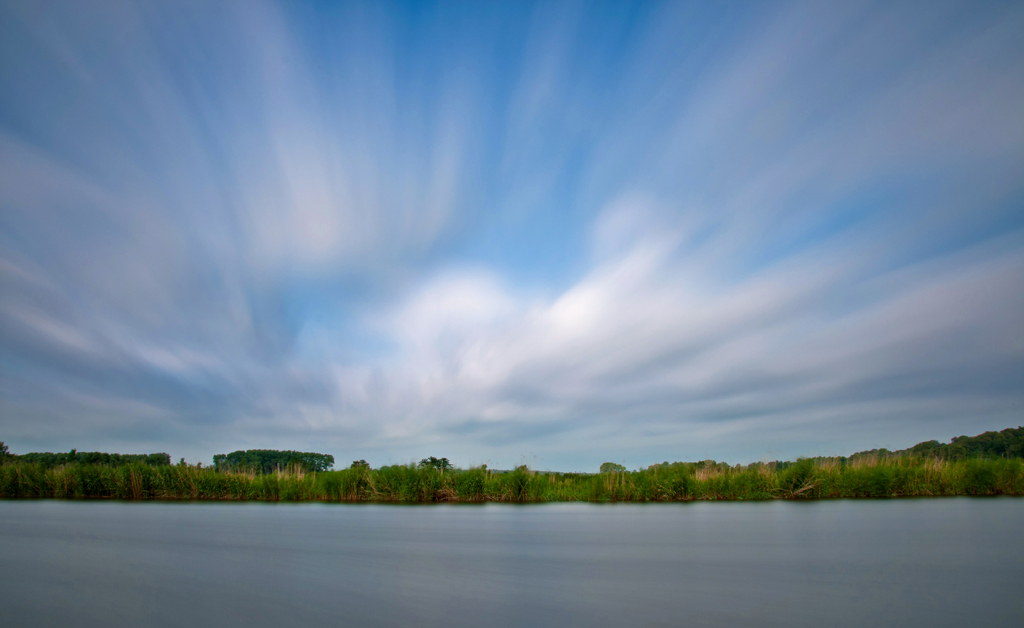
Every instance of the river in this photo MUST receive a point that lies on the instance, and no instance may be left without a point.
(908, 562)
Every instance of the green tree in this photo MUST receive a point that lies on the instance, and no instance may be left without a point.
(435, 463)
(611, 467)
(360, 464)
(269, 460)
(928, 448)
(48, 460)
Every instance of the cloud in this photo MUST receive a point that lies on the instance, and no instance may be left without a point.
(667, 232)
(643, 334)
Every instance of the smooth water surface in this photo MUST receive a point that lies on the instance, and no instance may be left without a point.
(926, 562)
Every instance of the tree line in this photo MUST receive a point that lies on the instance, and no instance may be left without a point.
(48, 460)
(1005, 444)
(1008, 443)
(270, 460)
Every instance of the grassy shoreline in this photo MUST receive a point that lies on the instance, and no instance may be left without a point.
(905, 476)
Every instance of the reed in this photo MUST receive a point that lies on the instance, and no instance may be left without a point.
(877, 476)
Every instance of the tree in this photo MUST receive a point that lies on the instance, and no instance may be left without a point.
(4, 452)
(928, 448)
(360, 464)
(611, 467)
(435, 463)
(48, 460)
(269, 460)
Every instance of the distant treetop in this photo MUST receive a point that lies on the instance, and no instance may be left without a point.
(49, 460)
(435, 463)
(1008, 443)
(270, 460)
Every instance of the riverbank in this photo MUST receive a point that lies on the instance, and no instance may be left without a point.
(805, 479)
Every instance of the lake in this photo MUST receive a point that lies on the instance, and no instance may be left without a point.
(909, 562)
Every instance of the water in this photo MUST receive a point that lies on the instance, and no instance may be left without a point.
(938, 562)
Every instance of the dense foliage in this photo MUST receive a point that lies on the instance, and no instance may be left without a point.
(270, 460)
(1008, 443)
(49, 460)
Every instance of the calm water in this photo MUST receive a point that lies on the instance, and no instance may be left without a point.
(939, 562)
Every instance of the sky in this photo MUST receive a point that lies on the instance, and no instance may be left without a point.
(553, 234)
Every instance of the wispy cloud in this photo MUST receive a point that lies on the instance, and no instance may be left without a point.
(560, 231)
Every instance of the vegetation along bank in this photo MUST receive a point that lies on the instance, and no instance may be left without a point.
(988, 464)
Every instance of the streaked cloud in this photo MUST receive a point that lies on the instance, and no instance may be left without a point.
(557, 231)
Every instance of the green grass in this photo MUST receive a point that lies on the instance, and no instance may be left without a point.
(893, 476)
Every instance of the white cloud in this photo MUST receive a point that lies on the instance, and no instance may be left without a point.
(647, 330)
(239, 227)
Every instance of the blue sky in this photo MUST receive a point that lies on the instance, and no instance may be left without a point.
(554, 233)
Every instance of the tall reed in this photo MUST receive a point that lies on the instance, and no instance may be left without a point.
(880, 476)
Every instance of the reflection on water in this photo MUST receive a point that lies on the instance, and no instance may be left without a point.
(939, 562)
